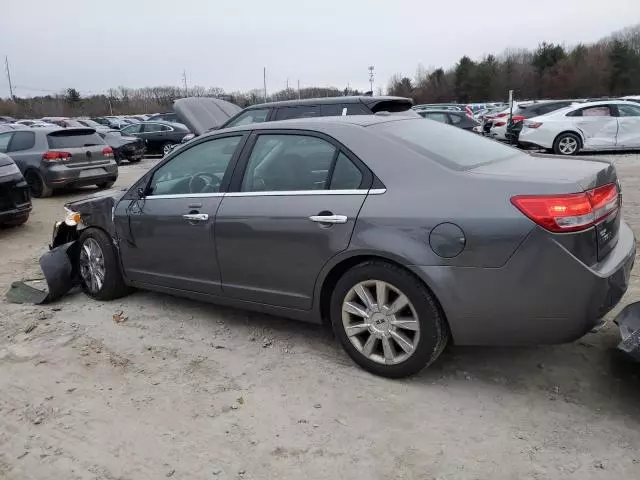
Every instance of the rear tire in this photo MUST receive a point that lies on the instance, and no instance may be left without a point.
(37, 184)
(419, 325)
(134, 160)
(567, 144)
(105, 185)
(99, 266)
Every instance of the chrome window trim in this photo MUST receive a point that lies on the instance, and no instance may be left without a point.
(373, 191)
(185, 195)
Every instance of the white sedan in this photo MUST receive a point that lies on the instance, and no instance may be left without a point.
(593, 126)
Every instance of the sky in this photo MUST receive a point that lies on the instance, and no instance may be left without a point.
(96, 45)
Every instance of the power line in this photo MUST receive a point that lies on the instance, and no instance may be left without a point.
(6, 63)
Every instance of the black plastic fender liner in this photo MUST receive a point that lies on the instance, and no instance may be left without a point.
(629, 322)
(60, 270)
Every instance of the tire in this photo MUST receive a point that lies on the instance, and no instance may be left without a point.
(428, 334)
(567, 144)
(18, 221)
(37, 184)
(166, 148)
(112, 285)
(135, 160)
(105, 185)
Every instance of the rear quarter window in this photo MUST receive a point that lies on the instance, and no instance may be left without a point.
(451, 147)
(71, 139)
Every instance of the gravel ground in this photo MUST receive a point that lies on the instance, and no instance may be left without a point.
(187, 390)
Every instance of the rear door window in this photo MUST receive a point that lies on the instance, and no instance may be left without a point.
(356, 109)
(22, 141)
(154, 127)
(332, 110)
(346, 175)
(73, 139)
(438, 117)
(455, 119)
(301, 111)
(629, 110)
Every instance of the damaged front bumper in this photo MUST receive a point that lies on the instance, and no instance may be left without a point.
(629, 322)
(58, 264)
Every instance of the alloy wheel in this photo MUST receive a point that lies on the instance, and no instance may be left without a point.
(380, 322)
(166, 149)
(92, 267)
(568, 145)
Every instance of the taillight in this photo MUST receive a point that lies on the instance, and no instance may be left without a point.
(56, 156)
(517, 118)
(532, 124)
(501, 115)
(107, 152)
(571, 212)
(499, 124)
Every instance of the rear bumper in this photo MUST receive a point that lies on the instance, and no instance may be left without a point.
(543, 294)
(64, 176)
(15, 201)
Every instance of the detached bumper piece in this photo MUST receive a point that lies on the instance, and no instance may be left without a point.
(629, 322)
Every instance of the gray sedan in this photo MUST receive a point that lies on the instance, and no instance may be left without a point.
(404, 235)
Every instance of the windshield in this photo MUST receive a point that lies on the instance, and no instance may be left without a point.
(450, 146)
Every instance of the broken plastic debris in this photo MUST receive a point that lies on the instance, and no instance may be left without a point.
(629, 322)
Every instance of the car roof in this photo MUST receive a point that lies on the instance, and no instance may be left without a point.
(442, 110)
(329, 100)
(317, 123)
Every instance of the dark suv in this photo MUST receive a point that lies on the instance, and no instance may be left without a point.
(15, 201)
(318, 107)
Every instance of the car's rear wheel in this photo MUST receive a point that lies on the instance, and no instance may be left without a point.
(99, 267)
(105, 185)
(387, 320)
(134, 160)
(37, 184)
(567, 144)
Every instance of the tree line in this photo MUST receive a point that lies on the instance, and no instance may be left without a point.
(609, 67)
(126, 101)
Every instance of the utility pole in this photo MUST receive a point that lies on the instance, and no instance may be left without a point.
(264, 79)
(298, 89)
(371, 67)
(6, 63)
(184, 81)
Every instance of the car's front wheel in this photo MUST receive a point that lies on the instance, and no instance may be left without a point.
(567, 144)
(166, 148)
(105, 185)
(99, 267)
(387, 320)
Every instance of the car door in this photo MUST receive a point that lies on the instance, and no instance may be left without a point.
(166, 237)
(628, 126)
(599, 127)
(154, 135)
(293, 205)
(5, 138)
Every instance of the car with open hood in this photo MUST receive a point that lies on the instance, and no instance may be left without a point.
(15, 201)
(403, 234)
(127, 148)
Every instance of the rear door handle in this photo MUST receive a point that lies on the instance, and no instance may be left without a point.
(196, 217)
(329, 218)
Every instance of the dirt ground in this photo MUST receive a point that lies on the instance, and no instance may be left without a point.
(187, 390)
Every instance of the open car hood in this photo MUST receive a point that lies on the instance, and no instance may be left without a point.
(201, 114)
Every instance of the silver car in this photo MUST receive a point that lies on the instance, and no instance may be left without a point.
(403, 234)
(54, 157)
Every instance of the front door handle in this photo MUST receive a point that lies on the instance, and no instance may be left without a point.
(329, 218)
(196, 217)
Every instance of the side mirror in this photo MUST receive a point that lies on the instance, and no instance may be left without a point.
(141, 192)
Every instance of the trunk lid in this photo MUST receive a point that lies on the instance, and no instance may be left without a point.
(548, 175)
(84, 144)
